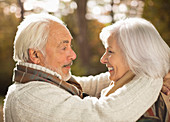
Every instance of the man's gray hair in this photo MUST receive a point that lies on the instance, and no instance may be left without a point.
(145, 51)
(32, 33)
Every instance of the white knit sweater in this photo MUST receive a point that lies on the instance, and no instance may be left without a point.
(44, 102)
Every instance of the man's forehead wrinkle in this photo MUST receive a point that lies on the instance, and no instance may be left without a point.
(59, 33)
(56, 28)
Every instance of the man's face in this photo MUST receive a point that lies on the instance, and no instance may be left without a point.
(59, 54)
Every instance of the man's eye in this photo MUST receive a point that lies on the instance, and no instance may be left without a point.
(64, 48)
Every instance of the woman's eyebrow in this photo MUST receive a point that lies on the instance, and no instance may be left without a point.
(109, 46)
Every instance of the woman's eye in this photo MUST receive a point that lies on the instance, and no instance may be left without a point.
(110, 51)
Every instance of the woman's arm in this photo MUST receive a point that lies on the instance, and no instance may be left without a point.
(93, 85)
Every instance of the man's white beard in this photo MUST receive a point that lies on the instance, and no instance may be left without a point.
(64, 77)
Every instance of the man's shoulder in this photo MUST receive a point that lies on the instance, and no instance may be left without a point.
(32, 97)
(34, 89)
(34, 93)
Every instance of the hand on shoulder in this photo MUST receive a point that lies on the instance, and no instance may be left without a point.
(166, 84)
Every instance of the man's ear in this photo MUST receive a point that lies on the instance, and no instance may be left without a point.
(34, 56)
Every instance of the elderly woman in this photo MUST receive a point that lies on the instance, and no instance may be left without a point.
(39, 94)
(137, 59)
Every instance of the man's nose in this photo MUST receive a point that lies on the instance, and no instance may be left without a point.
(103, 59)
(72, 55)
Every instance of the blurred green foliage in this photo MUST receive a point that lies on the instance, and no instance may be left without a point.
(158, 12)
(96, 47)
(1, 106)
(8, 24)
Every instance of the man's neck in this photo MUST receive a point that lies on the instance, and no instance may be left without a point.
(39, 67)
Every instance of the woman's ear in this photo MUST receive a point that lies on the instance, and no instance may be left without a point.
(34, 56)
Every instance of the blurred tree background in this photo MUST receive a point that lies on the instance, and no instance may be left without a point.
(85, 19)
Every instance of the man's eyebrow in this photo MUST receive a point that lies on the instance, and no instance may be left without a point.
(65, 41)
(62, 42)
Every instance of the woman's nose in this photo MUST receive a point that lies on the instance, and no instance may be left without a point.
(103, 59)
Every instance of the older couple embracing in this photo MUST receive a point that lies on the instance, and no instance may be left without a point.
(44, 90)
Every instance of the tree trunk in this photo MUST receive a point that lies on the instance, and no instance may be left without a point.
(82, 37)
(22, 9)
(111, 12)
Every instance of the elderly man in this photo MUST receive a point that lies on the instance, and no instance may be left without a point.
(42, 92)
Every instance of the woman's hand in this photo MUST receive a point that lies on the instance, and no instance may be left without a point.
(166, 84)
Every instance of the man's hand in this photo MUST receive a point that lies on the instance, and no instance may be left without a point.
(166, 84)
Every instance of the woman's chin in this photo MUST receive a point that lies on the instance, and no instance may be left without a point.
(112, 78)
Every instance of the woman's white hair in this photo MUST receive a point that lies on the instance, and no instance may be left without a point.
(145, 51)
(32, 34)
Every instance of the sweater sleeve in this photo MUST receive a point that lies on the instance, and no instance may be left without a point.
(93, 85)
(39, 101)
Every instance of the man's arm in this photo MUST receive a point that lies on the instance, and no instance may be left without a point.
(42, 101)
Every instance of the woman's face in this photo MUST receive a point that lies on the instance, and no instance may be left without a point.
(114, 60)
